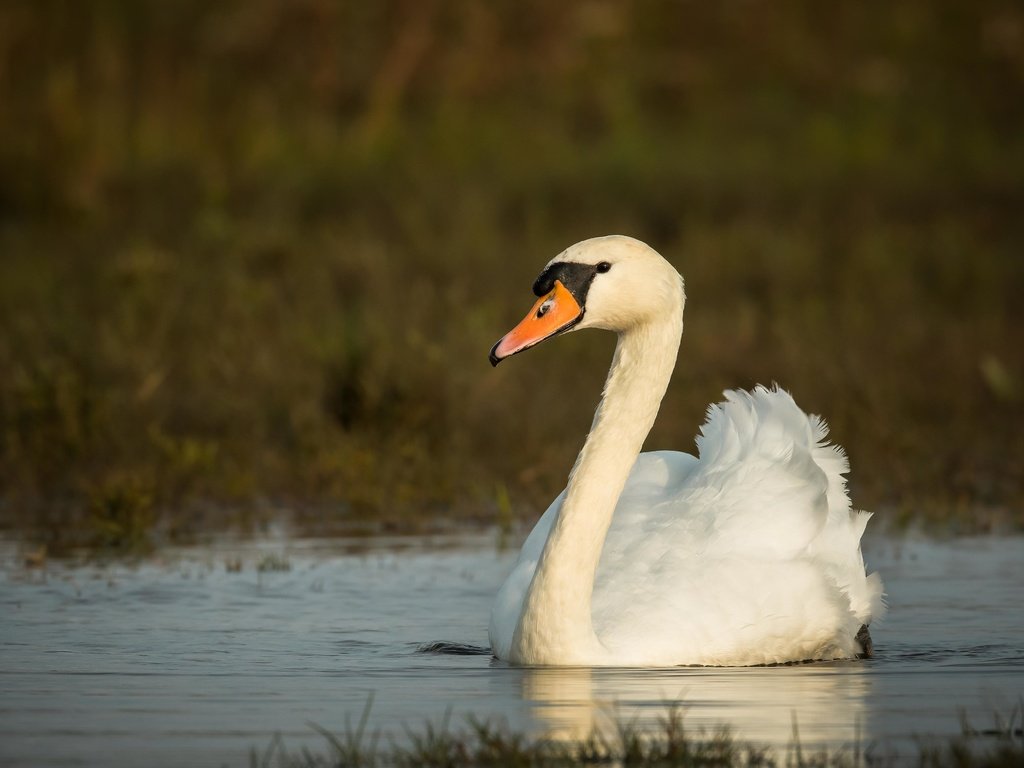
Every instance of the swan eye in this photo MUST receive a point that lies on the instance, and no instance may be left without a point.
(604, 266)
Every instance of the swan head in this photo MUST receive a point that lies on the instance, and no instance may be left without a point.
(616, 283)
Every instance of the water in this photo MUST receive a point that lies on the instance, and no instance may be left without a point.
(182, 660)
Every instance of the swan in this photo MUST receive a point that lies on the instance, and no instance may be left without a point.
(746, 554)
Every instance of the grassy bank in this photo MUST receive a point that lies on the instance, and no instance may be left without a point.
(672, 745)
(254, 254)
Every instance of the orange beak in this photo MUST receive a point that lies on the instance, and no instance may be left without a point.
(556, 312)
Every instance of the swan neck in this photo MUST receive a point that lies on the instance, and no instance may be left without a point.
(556, 625)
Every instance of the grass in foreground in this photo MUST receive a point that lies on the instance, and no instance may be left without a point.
(486, 744)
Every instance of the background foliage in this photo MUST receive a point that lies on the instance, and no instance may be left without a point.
(253, 254)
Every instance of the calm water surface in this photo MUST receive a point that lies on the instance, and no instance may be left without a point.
(182, 659)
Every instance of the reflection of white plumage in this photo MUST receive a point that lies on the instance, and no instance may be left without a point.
(747, 554)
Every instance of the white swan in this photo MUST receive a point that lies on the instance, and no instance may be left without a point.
(748, 554)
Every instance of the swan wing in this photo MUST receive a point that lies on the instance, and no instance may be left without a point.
(746, 554)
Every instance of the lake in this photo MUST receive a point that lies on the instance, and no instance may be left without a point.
(197, 656)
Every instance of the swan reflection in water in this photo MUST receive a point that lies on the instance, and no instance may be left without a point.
(759, 705)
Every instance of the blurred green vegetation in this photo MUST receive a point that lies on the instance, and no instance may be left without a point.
(253, 254)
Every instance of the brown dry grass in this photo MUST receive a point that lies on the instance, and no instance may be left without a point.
(254, 254)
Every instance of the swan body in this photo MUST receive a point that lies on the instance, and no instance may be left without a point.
(748, 553)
